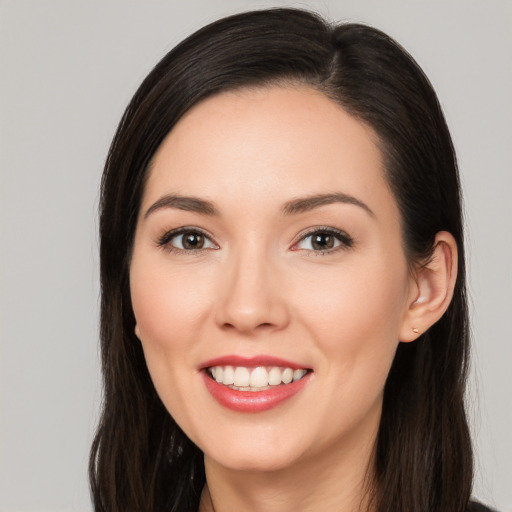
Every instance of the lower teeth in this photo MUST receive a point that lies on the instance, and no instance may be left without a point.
(249, 388)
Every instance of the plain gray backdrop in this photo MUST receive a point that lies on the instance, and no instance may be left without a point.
(67, 70)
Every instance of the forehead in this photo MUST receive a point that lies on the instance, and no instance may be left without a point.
(258, 142)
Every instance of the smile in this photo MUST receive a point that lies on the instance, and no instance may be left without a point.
(255, 379)
(254, 384)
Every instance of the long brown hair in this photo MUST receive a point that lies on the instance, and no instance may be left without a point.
(140, 459)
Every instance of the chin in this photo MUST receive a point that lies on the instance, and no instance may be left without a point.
(248, 462)
(253, 454)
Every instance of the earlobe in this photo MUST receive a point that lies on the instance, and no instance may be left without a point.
(137, 331)
(435, 282)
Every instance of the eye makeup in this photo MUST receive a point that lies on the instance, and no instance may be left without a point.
(320, 240)
(187, 239)
(323, 240)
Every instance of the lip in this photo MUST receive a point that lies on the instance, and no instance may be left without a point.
(253, 401)
(251, 362)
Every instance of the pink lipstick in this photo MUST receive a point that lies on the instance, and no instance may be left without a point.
(253, 384)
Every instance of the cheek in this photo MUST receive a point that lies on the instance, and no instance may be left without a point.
(354, 305)
(168, 306)
(355, 319)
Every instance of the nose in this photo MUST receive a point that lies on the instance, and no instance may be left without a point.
(251, 298)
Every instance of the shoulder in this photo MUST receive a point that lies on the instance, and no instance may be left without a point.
(474, 506)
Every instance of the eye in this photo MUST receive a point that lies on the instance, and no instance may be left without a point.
(186, 239)
(324, 240)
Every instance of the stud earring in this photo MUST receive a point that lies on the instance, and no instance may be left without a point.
(415, 330)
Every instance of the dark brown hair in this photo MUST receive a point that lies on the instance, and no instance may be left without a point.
(140, 459)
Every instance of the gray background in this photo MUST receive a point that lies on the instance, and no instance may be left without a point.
(67, 70)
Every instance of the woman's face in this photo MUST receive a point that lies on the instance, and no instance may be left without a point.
(268, 248)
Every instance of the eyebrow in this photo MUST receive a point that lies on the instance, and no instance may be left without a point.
(189, 204)
(308, 203)
(292, 207)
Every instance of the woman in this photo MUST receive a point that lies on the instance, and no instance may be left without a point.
(284, 320)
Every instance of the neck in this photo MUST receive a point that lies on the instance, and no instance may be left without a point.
(337, 481)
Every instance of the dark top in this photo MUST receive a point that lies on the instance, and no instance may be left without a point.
(478, 507)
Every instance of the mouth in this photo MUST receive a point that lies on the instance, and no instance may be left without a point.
(254, 379)
(253, 384)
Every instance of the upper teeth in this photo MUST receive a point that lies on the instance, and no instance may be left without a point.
(259, 377)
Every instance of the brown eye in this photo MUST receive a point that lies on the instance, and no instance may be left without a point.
(192, 240)
(187, 240)
(322, 241)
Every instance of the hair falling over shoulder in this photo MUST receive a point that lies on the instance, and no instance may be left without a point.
(140, 459)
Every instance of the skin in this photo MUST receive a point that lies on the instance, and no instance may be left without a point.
(258, 287)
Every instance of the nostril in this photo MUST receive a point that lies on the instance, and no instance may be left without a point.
(238, 326)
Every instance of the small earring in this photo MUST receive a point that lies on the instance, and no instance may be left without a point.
(415, 330)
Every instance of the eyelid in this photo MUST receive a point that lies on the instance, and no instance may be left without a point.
(164, 240)
(346, 241)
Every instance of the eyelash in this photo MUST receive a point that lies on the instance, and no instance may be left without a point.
(346, 241)
(165, 240)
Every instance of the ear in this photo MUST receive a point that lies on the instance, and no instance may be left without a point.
(432, 290)
(137, 331)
